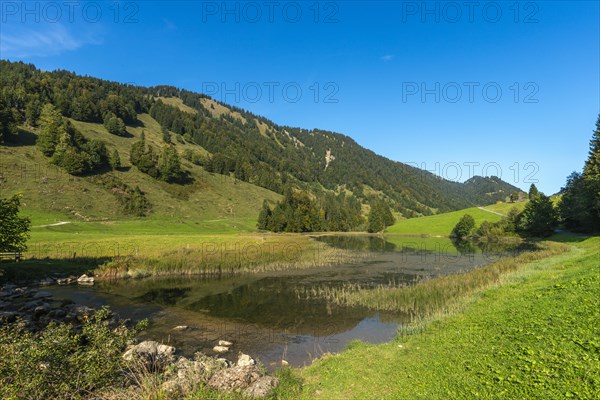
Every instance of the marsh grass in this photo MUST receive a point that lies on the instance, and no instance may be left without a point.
(274, 255)
(430, 297)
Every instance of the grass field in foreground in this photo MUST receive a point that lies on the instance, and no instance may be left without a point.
(442, 224)
(534, 336)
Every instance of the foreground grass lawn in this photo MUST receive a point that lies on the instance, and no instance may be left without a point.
(535, 336)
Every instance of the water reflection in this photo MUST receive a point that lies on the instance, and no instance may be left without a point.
(282, 315)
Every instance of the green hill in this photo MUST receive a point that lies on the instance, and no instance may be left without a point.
(442, 224)
(233, 159)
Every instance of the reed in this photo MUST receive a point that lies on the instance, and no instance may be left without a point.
(431, 297)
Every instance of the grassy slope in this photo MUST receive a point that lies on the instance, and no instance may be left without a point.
(211, 203)
(442, 224)
(536, 335)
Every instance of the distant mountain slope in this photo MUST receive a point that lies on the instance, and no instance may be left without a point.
(220, 139)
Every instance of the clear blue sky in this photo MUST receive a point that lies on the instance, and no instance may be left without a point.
(416, 83)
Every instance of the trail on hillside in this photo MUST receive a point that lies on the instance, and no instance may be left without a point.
(491, 211)
(56, 224)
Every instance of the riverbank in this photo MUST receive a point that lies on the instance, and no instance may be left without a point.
(533, 334)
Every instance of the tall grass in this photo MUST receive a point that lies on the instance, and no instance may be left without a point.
(434, 296)
(217, 260)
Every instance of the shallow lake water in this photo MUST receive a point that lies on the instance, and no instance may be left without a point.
(279, 315)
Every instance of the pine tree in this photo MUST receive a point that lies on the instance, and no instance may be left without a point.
(539, 217)
(264, 216)
(169, 165)
(533, 192)
(8, 121)
(52, 128)
(580, 202)
(115, 160)
(14, 230)
(380, 216)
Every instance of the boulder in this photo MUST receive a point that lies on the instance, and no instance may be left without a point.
(186, 376)
(262, 387)
(152, 355)
(225, 343)
(234, 379)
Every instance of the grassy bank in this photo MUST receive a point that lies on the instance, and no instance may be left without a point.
(533, 335)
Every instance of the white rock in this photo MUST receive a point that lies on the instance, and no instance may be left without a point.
(225, 343)
(180, 328)
(220, 349)
(85, 280)
(245, 360)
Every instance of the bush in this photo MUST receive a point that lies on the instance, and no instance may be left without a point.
(59, 362)
(464, 227)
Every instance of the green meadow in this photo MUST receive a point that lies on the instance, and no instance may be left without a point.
(442, 224)
(532, 334)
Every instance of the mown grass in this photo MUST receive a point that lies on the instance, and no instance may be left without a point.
(442, 224)
(532, 335)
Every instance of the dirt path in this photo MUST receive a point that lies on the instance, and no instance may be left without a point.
(56, 224)
(493, 212)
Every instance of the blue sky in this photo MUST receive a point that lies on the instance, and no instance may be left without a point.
(459, 88)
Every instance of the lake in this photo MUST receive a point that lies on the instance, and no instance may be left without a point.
(279, 316)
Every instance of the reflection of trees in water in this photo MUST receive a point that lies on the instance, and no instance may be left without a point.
(464, 247)
(360, 243)
(271, 302)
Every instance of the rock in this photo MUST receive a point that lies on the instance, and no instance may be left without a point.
(234, 379)
(220, 349)
(245, 360)
(30, 305)
(152, 355)
(40, 310)
(8, 316)
(58, 313)
(262, 387)
(186, 376)
(42, 295)
(180, 328)
(225, 343)
(225, 362)
(66, 281)
(85, 280)
(46, 282)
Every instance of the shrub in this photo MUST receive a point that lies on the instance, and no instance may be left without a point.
(62, 362)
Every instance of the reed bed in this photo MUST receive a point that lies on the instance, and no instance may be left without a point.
(230, 260)
(431, 297)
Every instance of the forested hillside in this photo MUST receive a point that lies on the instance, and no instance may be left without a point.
(98, 130)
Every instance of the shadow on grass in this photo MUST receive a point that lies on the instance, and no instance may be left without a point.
(568, 237)
(31, 270)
